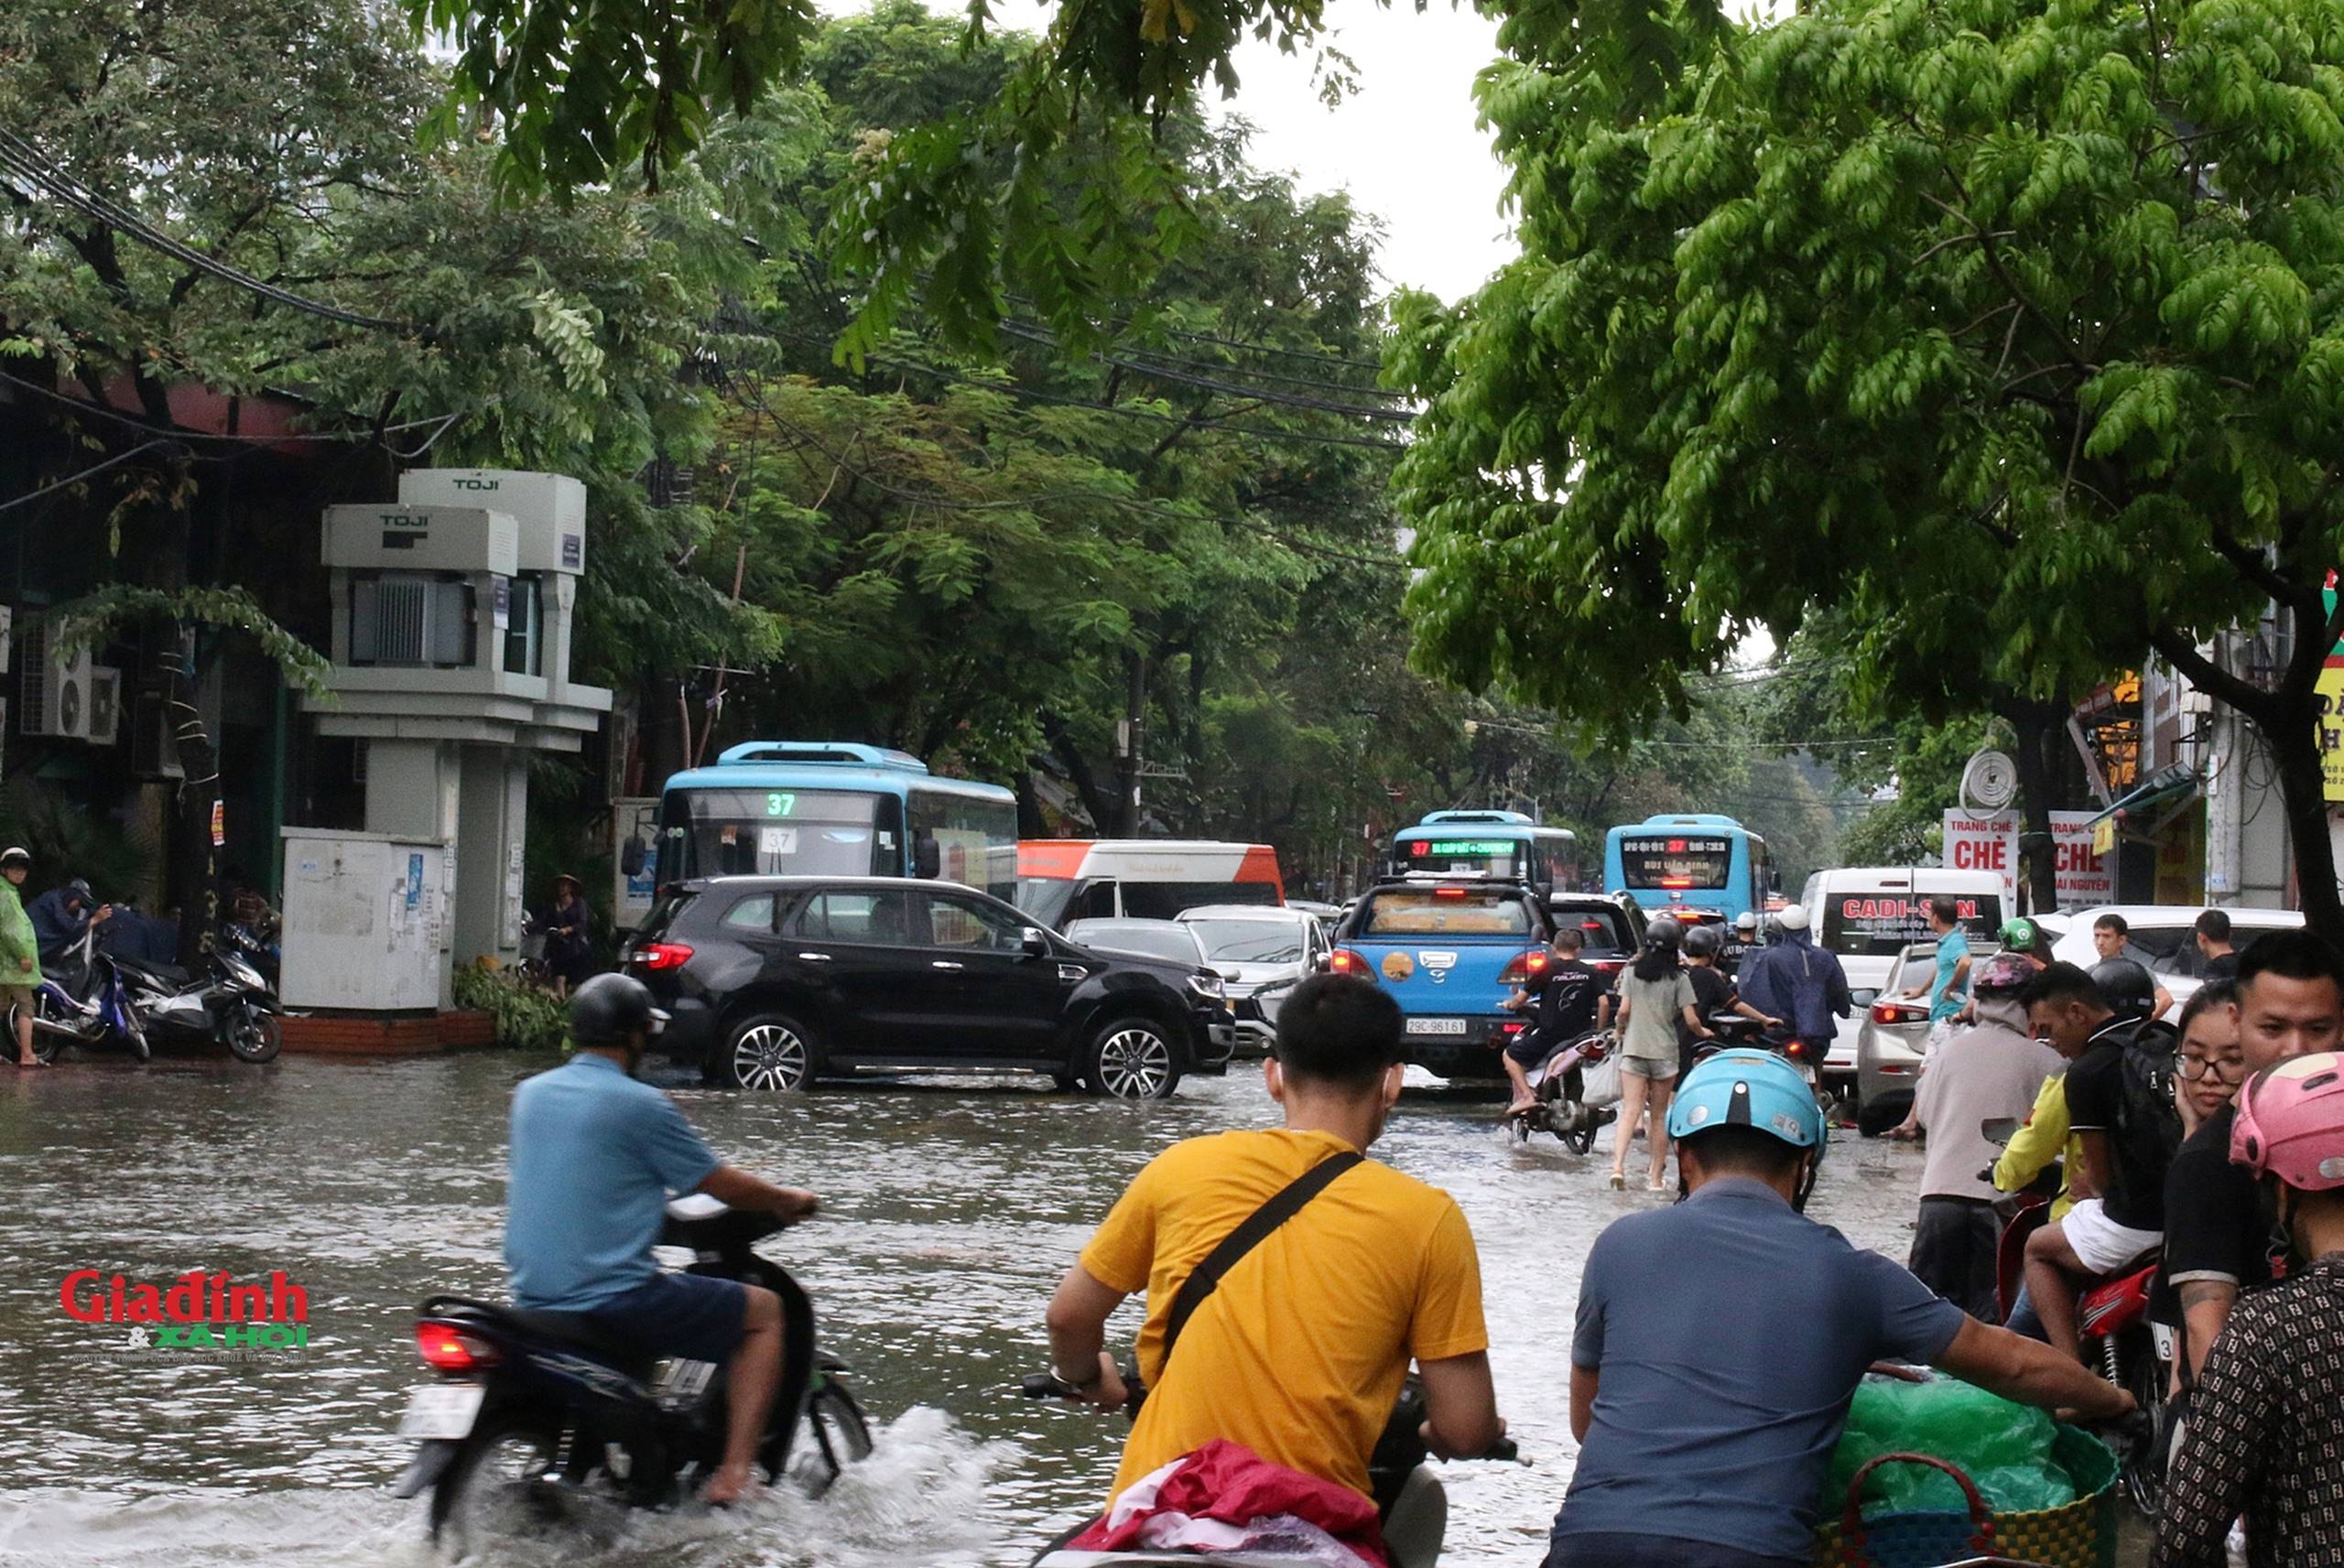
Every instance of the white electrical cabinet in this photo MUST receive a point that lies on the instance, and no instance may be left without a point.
(366, 918)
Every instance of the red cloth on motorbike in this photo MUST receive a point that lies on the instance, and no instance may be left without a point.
(1230, 1482)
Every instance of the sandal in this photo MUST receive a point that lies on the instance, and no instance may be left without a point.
(1619, 1180)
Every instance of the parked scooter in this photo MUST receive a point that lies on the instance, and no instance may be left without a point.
(1408, 1495)
(231, 1003)
(2112, 1318)
(84, 999)
(1559, 1082)
(541, 1417)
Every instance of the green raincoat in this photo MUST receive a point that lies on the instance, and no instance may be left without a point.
(17, 941)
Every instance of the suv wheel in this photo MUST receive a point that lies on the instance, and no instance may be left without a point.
(769, 1052)
(1131, 1058)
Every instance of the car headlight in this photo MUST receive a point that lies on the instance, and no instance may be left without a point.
(1212, 987)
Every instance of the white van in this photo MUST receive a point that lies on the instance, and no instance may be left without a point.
(1869, 915)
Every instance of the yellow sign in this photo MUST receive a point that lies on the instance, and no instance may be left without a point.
(2331, 729)
(1398, 967)
(2103, 836)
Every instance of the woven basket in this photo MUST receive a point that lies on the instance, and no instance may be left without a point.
(2081, 1534)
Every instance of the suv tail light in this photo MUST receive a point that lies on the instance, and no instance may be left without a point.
(662, 955)
(447, 1348)
(1344, 961)
(1525, 967)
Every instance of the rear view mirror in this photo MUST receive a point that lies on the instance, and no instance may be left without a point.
(1999, 1128)
(927, 858)
(1033, 941)
(1864, 997)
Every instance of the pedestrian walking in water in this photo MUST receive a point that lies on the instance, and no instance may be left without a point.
(19, 952)
(1655, 993)
(570, 924)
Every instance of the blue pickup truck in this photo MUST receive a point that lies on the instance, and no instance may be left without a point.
(1449, 952)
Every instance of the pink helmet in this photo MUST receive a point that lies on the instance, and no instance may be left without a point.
(2291, 1122)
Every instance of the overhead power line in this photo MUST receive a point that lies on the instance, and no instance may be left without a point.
(1218, 383)
(29, 163)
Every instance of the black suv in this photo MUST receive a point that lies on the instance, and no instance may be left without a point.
(773, 982)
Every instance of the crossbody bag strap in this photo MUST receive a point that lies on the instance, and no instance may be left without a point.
(1281, 1206)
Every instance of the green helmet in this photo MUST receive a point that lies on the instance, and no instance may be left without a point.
(2020, 935)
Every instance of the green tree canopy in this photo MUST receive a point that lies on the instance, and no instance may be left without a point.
(2011, 329)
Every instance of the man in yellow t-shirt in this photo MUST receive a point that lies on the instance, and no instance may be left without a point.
(1300, 1351)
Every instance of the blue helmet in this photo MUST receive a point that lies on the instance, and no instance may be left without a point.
(1743, 1087)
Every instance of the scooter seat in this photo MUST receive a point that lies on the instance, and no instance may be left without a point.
(170, 974)
(583, 1331)
(1064, 1558)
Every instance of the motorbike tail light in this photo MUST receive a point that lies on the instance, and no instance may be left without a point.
(662, 955)
(1512, 1026)
(1525, 966)
(447, 1348)
(1344, 961)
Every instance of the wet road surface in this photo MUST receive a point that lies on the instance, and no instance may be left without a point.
(952, 1208)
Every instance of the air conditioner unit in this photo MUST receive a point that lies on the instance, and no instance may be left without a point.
(55, 699)
(105, 704)
(154, 738)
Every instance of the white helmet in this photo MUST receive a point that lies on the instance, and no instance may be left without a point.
(15, 854)
(1794, 918)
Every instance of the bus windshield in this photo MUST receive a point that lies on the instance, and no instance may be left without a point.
(780, 832)
(1675, 862)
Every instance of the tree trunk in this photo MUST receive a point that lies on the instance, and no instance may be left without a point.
(2294, 737)
(1030, 824)
(1133, 751)
(1095, 802)
(2041, 729)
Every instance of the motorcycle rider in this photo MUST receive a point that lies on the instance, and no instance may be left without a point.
(2266, 1422)
(1993, 1070)
(2121, 1217)
(1564, 994)
(1712, 992)
(63, 914)
(2218, 1227)
(1299, 1353)
(595, 1155)
(1741, 945)
(1793, 979)
(1703, 1429)
(19, 951)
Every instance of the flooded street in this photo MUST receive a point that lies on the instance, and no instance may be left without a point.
(952, 1208)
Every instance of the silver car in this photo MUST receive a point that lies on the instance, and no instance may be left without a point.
(1263, 952)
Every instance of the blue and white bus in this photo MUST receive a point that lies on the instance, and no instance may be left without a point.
(1698, 861)
(1503, 845)
(839, 809)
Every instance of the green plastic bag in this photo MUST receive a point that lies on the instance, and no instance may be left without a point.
(2004, 1448)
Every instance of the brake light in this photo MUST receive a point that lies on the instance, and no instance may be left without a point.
(448, 1349)
(1892, 1012)
(1448, 892)
(1676, 881)
(662, 955)
(1512, 1026)
(1524, 966)
(1344, 961)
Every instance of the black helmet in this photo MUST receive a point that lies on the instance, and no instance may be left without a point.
(2130, 992)
(1663, 932)
(1703, 941)
(608, 1008)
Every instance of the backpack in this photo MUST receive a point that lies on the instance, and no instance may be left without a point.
(2145, 1115)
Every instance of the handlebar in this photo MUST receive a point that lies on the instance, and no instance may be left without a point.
(1051, 1386)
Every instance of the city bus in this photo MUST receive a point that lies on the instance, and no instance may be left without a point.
(1059, 879)
(1504, 846)
(834, 808)
(1696, 861)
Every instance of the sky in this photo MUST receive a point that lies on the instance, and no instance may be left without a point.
(1404, 146)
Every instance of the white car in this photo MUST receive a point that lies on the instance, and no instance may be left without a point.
(1867, 915)
(1262, 953)
(2163, 936)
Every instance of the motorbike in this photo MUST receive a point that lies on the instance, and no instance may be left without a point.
(84, 999)
(231, 1003)
(542, 1417)
(1733, 1030)
(1559, 1081)
(2113, 1319)
(1409, 1498)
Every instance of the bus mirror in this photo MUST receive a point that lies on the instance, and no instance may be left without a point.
(927, 858)
(631, 858)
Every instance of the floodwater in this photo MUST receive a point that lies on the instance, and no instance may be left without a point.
(952, 1206)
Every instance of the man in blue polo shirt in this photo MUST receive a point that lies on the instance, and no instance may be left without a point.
(595, 1156)
(1721, 1341)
